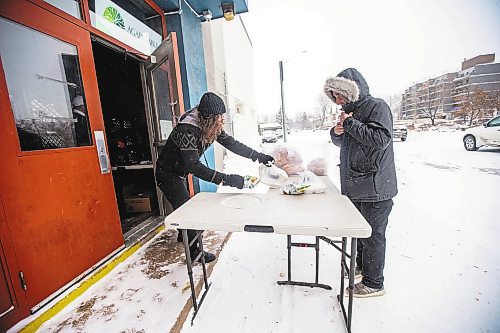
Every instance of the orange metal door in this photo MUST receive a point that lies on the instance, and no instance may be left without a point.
(13, 304)
(60, 210)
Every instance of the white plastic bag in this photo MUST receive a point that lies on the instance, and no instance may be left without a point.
(288, 159)
(318, 166)
(272, 176)
(314, 182)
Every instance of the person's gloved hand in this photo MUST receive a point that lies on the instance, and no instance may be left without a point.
(265, 159)
(233, 181)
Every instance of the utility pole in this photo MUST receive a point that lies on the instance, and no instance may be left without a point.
(283, 117)
(283, 114)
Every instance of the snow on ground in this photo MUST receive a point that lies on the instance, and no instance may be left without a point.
(442, 267)
(442, 264)
(145, 293)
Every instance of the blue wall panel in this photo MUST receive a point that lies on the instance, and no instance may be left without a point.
(193, 72)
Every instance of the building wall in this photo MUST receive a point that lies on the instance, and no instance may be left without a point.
(480, 59)
(193, 73)
(229, 64)
(485, 77)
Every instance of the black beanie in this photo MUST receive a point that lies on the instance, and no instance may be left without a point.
(211, 105)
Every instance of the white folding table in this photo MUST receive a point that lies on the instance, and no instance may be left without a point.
(325, 215)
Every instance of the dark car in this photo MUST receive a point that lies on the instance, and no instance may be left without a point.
(399, 131)
(269, 136)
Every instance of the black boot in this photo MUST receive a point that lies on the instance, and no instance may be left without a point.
(209, 257)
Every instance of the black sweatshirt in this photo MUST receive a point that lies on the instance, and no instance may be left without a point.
(181, 153)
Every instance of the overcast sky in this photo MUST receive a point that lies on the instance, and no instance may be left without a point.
(394, 44)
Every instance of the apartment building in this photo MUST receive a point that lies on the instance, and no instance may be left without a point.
(443, 94)
(434, 94)
(485, 77)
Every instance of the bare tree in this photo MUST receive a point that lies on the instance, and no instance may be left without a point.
(322, 109)
(495, 101)
(302, 121)
(477, 104)
(431, 108)
(279, 118)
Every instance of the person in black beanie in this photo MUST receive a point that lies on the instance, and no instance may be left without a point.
(196, 130)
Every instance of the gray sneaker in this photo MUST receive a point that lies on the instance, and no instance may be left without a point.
(362, 291)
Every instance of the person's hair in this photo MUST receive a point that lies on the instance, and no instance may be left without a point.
(211, 128)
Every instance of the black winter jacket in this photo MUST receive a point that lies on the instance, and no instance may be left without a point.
(181, 153)
(367, 170)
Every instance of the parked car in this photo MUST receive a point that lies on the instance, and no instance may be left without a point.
(269, 136)
(399, 131)
(279, 133)
(486, 135)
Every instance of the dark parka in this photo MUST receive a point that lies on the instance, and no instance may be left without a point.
(367, 170)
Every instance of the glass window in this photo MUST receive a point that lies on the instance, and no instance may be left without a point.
(45, 88)
(72, 7)
(494, 122)
(162, 100)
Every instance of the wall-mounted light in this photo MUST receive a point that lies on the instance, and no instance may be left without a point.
(228, 10)
(207, 14)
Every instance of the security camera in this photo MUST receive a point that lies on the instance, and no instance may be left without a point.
(207, 14)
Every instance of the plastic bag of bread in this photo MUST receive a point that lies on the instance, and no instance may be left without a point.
(288, 159)
(318, 166)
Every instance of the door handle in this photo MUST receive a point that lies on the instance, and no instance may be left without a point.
(102, 154)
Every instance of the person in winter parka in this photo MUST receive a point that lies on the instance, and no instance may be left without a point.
(196, 130)
(367, 170)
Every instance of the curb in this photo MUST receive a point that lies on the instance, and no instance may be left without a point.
(87, 283)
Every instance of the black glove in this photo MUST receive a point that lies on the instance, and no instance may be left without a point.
(265, 159)
(233, 181)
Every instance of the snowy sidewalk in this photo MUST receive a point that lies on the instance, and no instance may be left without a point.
(148, 292)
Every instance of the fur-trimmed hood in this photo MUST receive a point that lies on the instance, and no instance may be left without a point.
(351, 85)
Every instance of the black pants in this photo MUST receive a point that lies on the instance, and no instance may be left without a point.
(174, 188)
(371, 251)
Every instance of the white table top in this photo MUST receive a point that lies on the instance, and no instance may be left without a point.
(326, 214)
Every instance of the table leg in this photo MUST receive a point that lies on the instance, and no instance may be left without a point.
(289, 248)
(200, 247)
(300, 283)
(342, 269)
(189, 265)
(317, 259)
(352, 270)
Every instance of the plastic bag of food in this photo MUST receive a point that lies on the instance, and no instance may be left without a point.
(272, 176)
(287, 159)
(250, 181)
(294, 189)
(314, 182)
(318, 166)
(306, 183)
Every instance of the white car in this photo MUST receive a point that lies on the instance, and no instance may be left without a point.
(486, 135)
(279, 133)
